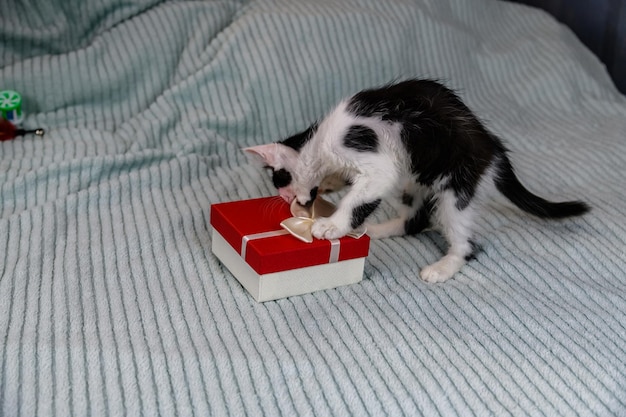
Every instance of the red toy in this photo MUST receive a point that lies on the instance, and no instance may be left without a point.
(8, 131)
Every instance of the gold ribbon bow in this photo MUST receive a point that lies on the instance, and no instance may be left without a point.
(304, 217)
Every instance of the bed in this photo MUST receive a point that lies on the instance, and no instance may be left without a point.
(111, 302)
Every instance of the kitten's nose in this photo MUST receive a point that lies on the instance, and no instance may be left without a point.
(309, 202)
(286, 194)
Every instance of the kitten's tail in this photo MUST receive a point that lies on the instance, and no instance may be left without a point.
(508, 184)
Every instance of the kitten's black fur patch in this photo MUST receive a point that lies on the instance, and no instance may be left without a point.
(407, 200)
(442, 136)
(508, 184)
(361, 138)
(360, 213)
(298, 140)
(421, 219)
(476, 248)
(281, 178)
(313, 196)
(417, 223)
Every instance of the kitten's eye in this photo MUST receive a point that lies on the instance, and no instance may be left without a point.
(281, 178)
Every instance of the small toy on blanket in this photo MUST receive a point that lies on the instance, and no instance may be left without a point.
(11, 116)
(9, 131)
(269, 262)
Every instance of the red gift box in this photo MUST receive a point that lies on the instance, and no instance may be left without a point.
(269, 262)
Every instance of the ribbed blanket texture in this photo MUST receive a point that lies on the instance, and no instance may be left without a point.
(112, 304)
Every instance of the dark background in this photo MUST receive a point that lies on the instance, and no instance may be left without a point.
(600, 24)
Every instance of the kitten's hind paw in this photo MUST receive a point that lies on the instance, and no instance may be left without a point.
(324, 228)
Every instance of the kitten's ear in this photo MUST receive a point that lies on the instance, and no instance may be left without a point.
(274, 154)
(267, 153)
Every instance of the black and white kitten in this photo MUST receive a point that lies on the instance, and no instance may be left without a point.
(414, 143)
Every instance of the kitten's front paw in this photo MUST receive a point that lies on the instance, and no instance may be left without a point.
(434, 273)
(324, 228)
(443, 269)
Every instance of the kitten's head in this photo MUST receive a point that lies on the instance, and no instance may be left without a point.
(282, 160)
(295, 176)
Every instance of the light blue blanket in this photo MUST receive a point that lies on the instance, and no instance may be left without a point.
(111, 303)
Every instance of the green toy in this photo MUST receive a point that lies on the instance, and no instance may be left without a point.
(11, 106)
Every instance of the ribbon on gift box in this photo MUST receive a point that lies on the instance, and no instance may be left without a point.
(262, 235)
(303, 218)
(300, 225)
